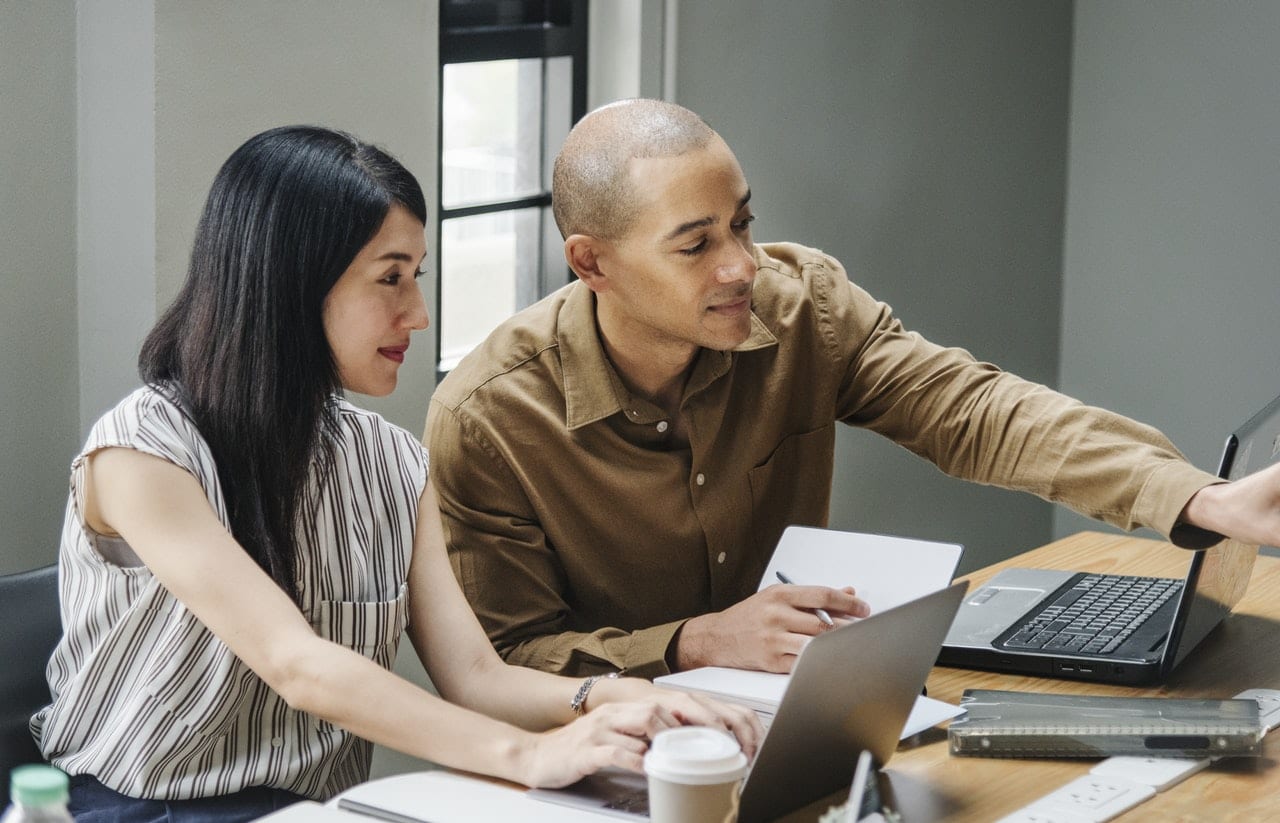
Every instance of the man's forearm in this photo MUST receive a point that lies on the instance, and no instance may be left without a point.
(642, 653)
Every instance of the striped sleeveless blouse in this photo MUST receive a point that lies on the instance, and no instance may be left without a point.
(147, 700)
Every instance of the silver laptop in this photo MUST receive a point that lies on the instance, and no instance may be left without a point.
(850, 690)
(1112, 628)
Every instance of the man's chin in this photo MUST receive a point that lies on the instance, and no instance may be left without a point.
(728, 341)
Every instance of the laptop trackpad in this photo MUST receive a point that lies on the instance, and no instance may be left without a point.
(993, 608)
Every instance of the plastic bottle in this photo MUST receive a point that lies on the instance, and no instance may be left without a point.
(39, 795)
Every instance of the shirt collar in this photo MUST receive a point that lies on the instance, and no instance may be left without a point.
(592, 388)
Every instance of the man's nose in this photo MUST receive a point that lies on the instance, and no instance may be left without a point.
(739, 265)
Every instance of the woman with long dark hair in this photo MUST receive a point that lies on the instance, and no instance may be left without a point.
(243, 547)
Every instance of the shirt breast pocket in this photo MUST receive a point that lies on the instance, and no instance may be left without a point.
(372, 628)
(792, 487)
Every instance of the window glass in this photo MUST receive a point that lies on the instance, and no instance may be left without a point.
(489, 269)
(491, 132)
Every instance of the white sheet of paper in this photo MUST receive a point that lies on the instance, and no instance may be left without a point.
(886, 571)
(926, 714)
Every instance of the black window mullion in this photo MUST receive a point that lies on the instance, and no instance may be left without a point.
(530, 202)
(506, 44)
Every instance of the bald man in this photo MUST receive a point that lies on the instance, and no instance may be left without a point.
(616, 463)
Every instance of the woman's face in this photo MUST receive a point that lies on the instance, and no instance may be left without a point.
(375, 304)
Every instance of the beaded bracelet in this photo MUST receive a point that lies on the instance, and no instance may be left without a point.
(579, 701)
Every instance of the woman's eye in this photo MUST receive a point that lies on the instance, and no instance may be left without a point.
(392, 279)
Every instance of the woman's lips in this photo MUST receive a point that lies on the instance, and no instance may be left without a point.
(393, 353)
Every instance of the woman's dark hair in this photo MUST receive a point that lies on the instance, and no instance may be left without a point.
(242, 348)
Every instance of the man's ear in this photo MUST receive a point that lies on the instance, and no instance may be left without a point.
(582, 251)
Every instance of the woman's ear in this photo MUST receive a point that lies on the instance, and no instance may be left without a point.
(582, 251)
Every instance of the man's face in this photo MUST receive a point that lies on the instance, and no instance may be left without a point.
(682, 273)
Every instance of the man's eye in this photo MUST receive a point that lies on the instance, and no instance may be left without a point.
(744, 223)
(692, 250)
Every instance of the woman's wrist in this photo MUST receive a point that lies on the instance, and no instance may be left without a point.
(617, 690)
(520, 756)
(578, 705)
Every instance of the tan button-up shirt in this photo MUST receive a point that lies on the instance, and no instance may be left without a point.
(584, 537)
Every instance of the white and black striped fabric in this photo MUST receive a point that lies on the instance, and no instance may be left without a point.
(147, 700)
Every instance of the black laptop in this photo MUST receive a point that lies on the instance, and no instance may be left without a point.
(1106, 627)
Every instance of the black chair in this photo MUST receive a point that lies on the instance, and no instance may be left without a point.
(30, 627)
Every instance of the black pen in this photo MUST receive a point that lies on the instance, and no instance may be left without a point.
(821, 613)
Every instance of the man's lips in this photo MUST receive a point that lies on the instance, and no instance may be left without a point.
(394, 353)
(735, 306)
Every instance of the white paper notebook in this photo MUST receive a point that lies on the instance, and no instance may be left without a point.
(886, 571)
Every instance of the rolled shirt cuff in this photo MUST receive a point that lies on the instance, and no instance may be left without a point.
(1165, 495)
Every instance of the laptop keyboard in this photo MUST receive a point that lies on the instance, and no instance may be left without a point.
(1095, 615)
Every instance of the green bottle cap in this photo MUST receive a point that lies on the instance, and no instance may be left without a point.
(38, 786)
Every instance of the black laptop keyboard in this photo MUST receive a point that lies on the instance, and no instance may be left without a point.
(1095, 615)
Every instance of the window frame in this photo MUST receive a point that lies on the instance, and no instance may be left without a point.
(543, 33)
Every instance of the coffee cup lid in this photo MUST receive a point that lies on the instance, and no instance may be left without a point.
(695, 755)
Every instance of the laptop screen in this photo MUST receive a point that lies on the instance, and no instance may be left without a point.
(1223, 570)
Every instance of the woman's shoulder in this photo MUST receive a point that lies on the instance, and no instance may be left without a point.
(150, 418)
(145, 406)
(355, 422)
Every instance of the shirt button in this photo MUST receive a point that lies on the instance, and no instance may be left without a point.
(720, 559)
(701, 479)
(662, 426)
(277, 742)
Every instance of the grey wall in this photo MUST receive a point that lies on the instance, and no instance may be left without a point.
(116, 234)
(1172, 254)
(227, 70)
(39, 393)
(924, 145)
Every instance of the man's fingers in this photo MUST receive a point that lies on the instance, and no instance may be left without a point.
(842, 601)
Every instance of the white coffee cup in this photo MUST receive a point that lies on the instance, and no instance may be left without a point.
(694, 775)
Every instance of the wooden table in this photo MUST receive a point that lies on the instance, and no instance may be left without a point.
(1243, 652)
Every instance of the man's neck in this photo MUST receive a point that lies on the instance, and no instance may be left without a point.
(653, 369)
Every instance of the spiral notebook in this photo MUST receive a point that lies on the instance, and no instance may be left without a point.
(1033, 724)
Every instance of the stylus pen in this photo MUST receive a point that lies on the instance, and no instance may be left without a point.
(821, 613)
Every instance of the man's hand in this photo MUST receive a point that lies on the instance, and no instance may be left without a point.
(1247, 509)
(766, 631)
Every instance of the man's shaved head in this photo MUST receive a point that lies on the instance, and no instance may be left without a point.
(591, 192)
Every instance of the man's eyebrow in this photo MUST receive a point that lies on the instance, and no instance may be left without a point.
(702, 221)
